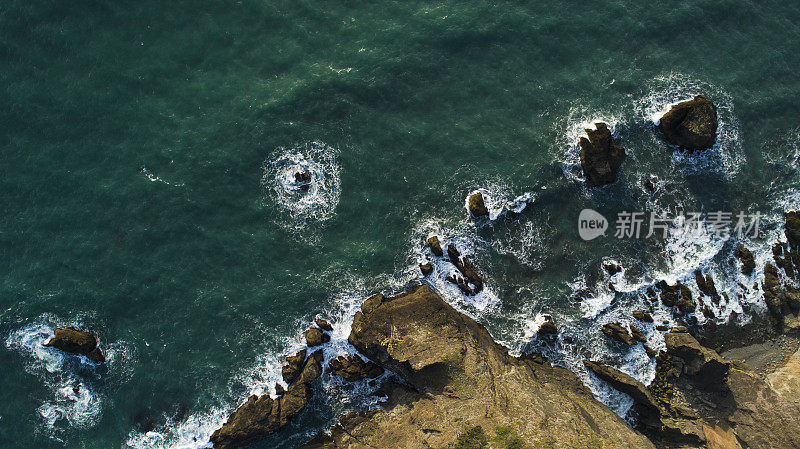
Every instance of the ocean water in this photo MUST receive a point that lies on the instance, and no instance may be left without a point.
(147, 152)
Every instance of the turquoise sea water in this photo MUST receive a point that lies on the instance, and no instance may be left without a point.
(143, 147)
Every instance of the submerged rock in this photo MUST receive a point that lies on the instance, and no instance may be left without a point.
(641, 315)
(353, 368)
(691, 124)
(612, 268)
(476, 205)
(601, 156)
(76, 341)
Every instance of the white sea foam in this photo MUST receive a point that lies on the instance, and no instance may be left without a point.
(499, 200)
(303, 202)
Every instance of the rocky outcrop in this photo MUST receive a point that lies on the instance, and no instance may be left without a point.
(76, 341)
(612, 268)
(262, 416)
(470, 274)
(748, 262)
(691, 124)
(641, 315)
(476, 205)
(617, 332)
(456, 375)
(294, 365)
(693, 359)
(426, 268)
(705, 283)
(601, 156)
(645, 403)
(303, 179)
(353, 368)
(323, 324)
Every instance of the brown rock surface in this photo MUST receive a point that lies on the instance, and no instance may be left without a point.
(691, 124)
(76, 342)
(601, 156)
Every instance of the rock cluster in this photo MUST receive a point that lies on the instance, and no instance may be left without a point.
(691, 124)
(303, 179)
(76, 341)
(676, 295)
(783, 299)
(601, 157)
(466, 277)
(548, 327)
(748, 262)
(617, 332)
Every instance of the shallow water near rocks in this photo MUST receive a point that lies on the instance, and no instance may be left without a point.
(147, 187)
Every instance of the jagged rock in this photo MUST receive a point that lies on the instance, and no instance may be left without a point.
(76, 342)
(676, 295)
(436, 247)
(641, 315)
(426, 268)
(706, 285)
(315, 337)
(645, 403)
(637, 334)
(279, 390)
(461, 283)
(691, 124)
(548, 327)
(705, 365)
(612, 268)
(601, 156)
(294, 364)
(748, 262)
(617, 332)
(649, 351)
(262, 416)
(662, 327)
(465, 267)
(323, 324)
(353, 368)
(792, 229)
(476, 205)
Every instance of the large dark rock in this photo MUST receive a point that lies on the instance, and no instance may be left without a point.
(323, 324)
(641, 315)
(703, 364)
(76, 342)
(691, 124)
(548, 327)
(601, 157)
(792, 229)
(262, 416)
(436, 247)
(476, 205)
(353, 368)
(618, 333)
(676, 295)
(294, 364)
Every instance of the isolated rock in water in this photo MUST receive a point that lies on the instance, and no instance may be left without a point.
(315, 337)
(601, 157)
(323, 324)
(691, 124)
(548, 327)
(648, 183)
(353, 368)
(641, 315)
(426, 268)
(748, 262)
(476, 205)
(637, 334)
(436, 247)
(705, 365)
(612, 268)
(617, 332)
(303, 178)
(76, 342)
